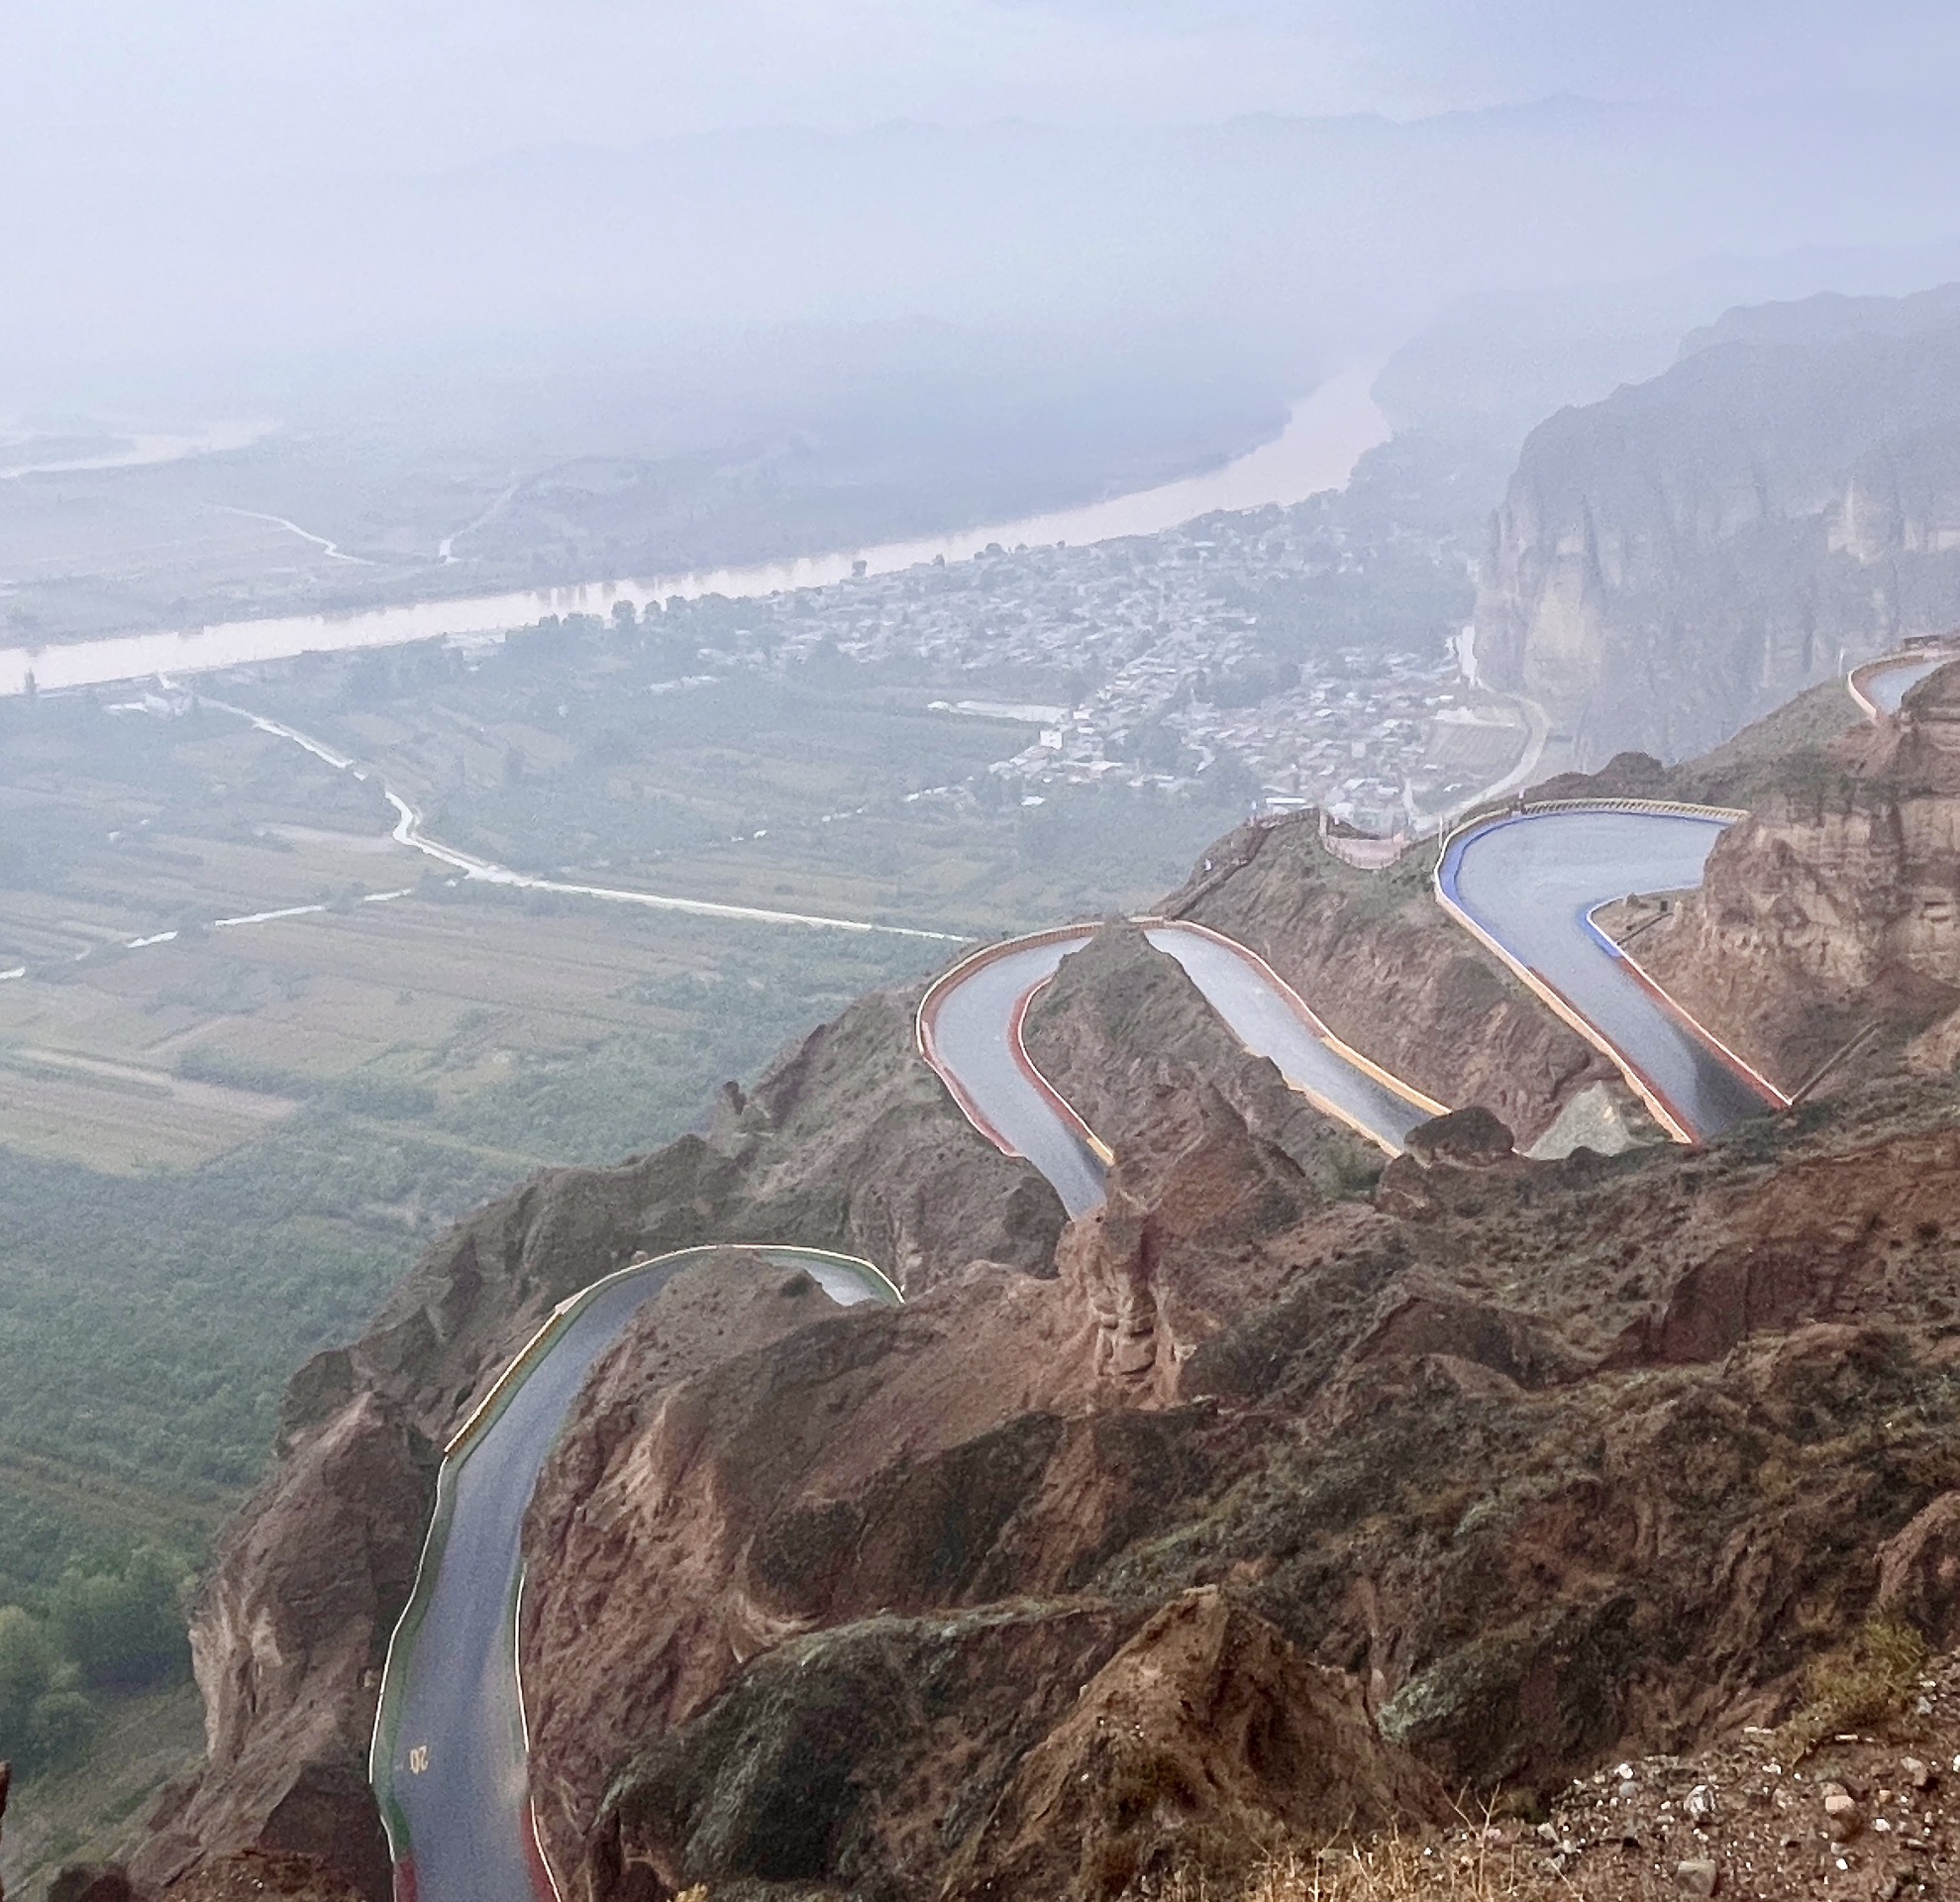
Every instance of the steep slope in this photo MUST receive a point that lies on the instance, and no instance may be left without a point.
(977, 1446)
(1283, 1493)
(1525, 1463)
(1679, 558)
(1123, 1030)
(1389, 974)
(1836, 904)
(847, 1143)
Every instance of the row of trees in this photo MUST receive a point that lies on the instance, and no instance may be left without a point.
(104, 1629)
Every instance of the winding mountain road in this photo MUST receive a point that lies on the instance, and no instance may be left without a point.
(970, 1031)
(448, 1760)
(1527, 886)
(1880, 686)
(450, 1754)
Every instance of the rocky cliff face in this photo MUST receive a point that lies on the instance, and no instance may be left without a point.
(980, 1446)
(1682, 557)
(1836, 903)
(1283, 1494)
(1121, 1032)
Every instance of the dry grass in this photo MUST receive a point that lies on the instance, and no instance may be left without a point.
(1856, 1685)
(1479, 1865)
(1394, 1868)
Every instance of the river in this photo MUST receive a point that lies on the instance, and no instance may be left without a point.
(1325, 436)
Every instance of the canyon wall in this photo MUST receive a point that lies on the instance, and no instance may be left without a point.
(1685, 555)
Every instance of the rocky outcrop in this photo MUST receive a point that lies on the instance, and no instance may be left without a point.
(982, 1442)
(288, 1642)
(1919, 1573)
(1836, 903)
(1070, 1750)
(1269, 1499)
(848, 1753)
(848, 1142)
(1679, 558)
(1206, 1742)
(1122, 1032)
(1571, 1457)
(1145, 1268)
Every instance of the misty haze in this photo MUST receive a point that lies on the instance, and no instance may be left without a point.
(956, 950)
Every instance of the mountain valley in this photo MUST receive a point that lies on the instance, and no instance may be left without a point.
(1284, 1495)
(1556, 1498)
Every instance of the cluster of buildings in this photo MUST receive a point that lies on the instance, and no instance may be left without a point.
(1155, 664)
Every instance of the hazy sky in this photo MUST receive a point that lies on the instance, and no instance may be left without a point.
(214, 179)
(379, 84)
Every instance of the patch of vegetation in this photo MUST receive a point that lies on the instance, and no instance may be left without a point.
(1855, 1685)
(115, 1626)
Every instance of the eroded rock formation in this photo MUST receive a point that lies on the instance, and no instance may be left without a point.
(1836, 902)
(848, 1142)
(1277, 1495)
(1679, 558)
(1470, 1496)
(978, 1444)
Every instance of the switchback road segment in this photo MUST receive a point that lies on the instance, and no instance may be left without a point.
(1527, 884)
(970, 1027)
(449, 1757)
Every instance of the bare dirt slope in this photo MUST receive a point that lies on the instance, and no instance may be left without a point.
(1526, 1464)
(1285, 1493)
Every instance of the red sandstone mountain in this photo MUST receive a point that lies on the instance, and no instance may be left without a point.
(1283, 1494)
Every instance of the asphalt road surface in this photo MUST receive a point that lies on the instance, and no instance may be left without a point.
(448, 1763)
(1269, 1023)
(1887, 685)
(1531, 880)
(974, 1037)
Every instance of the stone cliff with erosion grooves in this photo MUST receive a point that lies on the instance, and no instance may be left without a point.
(1679, 558)
(895, 1517)
(847, 1143)
(1834, 908)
